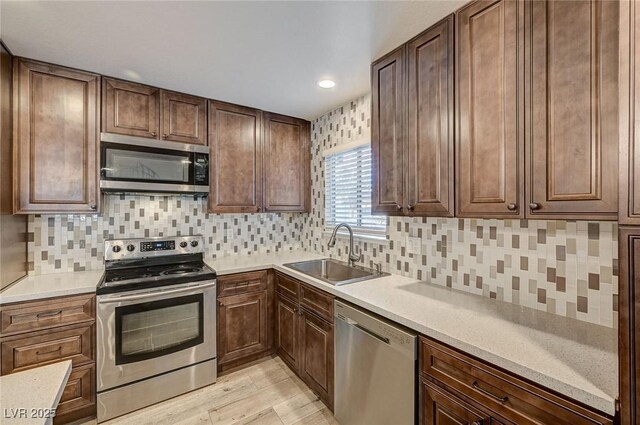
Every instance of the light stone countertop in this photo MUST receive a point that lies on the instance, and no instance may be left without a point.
(26, 396)
(572, 357)
(51, 285)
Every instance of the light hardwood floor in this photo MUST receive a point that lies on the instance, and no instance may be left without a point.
(266, 393)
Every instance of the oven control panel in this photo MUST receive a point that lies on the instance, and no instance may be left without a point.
(131, 249)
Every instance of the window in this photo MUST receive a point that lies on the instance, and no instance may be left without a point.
(348, 189)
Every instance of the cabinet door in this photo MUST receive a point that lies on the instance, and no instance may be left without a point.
(287, 335)
(183, 118)
(236, 158)
(56, 139)
(242, 326)
(286, 163)
(489, 137)
(388, 97)
(629, 205)
(573, 103)
(430, 127)
(316, 358)
(438, 407)
(629, 325)
(130, 109)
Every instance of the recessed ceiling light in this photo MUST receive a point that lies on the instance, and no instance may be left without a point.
(326, 84)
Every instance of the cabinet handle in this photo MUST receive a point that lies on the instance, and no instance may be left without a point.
(220, 303)
(480, 422)
(258, 209)
(93, 207)
(534, 206)
(399, 207)
(154, 134)
(489, 394)
(39, 353)
(410, 207)
(165, 136)
(295, 310)
(512, 207)
(49, 314)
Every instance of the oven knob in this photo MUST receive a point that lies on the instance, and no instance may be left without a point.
(183, 244)
(116, 248)
(130, 247)
(194, 243)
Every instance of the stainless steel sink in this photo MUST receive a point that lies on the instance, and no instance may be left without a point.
(334, 272)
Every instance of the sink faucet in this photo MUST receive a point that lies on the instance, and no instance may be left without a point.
(353, 257)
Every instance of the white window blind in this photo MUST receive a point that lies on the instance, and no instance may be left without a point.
(348, 191)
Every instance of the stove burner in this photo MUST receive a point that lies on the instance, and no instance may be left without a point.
(138, 276)
(180, 271)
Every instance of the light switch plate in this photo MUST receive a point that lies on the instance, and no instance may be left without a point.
(414, 245)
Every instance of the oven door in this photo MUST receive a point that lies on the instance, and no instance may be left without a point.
(149, 332)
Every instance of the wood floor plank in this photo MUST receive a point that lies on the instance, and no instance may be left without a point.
(257, 402)
(265, 417)
(322, 417)
(298, 407)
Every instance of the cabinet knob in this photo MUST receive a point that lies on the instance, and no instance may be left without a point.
(220, 303)
(165, 136)
(410, 207)
(534, 206)
(512, 207)
(399, 207)
(154, 134)
(258, 209)
(480, 422)
(93, 206)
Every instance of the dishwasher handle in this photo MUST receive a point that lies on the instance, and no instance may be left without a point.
(365, 330)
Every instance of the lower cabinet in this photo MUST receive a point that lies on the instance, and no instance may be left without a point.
(37, 333)
(245, 318)
(305, 334)
(458, 389)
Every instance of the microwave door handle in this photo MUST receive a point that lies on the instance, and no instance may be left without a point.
(149, 294)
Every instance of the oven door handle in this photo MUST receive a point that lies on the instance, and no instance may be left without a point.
(150, 294)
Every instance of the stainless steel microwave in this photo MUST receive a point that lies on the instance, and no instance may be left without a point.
(135, 164)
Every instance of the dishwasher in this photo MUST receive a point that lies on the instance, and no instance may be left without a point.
(375, 369)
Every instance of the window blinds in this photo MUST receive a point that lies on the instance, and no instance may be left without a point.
(348, 191)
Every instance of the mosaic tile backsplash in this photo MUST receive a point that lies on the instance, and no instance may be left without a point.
(568, 268)
(60, 243)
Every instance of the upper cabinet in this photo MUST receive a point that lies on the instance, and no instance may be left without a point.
(235, 137)
(490, 140)
(137, 110)
(429, 151)
(56, 138)
(183, 118)
(388, 97)
(629, 205)
(572, 129)
(130, 109)
(286, 162)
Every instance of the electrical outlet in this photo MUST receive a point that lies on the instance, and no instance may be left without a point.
(414, 245)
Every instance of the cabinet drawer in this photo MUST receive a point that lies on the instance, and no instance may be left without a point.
(73, 343)
(507, 395)
(317, 301)
(79, 392)
(287, 286)
(38, 315)
(242, 283)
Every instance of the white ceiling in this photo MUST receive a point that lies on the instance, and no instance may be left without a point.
(265, 54)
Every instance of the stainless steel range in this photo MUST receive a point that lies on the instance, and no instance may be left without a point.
(156, 333)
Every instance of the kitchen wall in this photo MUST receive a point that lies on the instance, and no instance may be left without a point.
(568, 268)
(60, 243)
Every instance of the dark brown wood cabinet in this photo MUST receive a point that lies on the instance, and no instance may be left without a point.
(388, 124)
(286, 162)
(235, 137)
(245, 318)
(56, 124)
(629, 325)
(129, 108)
(305, 335)
(572, 104)
(489, 129)
(439, 407)
(139, 110)
(629, 93)
(429, 152)
(36, 333)
(459, 388)
(183, 118)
